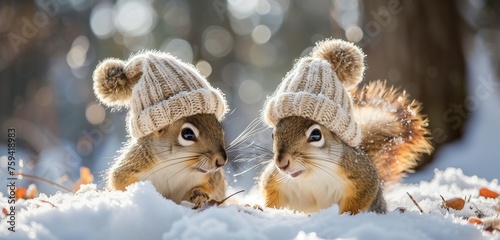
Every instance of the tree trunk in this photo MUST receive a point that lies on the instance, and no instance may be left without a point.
(417, 45)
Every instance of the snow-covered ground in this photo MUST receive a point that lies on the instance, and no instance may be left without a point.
(142, 213)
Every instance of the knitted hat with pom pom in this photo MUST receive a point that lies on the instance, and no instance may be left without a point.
(158, 88)
(316, 88)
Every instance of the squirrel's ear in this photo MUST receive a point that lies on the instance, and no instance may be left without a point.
(114, 80)
(346, 60)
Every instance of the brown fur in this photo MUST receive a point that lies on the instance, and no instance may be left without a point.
(155, 150)
(394, 130)
(363, 188)
(134, 158)
(356, 172)
(270, 186)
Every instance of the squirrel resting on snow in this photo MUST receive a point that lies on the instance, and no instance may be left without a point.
(176, 139)
(334, 143)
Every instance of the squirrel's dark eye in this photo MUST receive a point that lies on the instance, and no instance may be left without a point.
(314, 136)
(188, 134)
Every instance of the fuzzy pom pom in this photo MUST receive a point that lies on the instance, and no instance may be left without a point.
(112, 83)
(346, 60)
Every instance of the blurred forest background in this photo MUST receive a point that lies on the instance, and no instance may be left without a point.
(49, 49)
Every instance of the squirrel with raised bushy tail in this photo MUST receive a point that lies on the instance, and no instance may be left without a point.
(334, 143)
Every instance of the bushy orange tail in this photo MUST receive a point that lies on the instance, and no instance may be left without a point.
(394, 131)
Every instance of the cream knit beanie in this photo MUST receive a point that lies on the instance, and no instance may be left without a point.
(316, 88)
(158, 88)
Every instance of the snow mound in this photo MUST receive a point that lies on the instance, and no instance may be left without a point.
(142, 213)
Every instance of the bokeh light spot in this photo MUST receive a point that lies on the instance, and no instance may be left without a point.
(217, 41)
(179, 48)
(95, 113)
(261, 34)
(101, 20)
(135, 18)
(263, 7)
(76, 57)
(354, 34)
(78, 52)
(241, 9)
(204, 67)
(250, 91)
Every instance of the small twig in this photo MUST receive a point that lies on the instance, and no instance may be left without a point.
(45, 201)
(223, 200)
(415, 202)
(478, 211)
(38, 179)
(443, 204)
(213, 202)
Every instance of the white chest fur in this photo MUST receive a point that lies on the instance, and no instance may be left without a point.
(313, 192)
(173, 180)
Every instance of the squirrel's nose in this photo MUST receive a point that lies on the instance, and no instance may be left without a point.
(283, 161)
(221, 159)
(219, 162)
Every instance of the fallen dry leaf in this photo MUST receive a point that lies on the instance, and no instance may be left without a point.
(487, 193)
(20, 192)
(475, 220)
(86, 177)
(77, 185)
(491, 229)
(455, 203)
(4, 211)
(491, 224)
(32, 191)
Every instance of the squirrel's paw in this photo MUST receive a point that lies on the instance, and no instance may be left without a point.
(198, 196)
(255, 206)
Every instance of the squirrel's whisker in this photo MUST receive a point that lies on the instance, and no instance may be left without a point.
(184, 168)
(182, 160)
(251, 168)
(252, 129)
